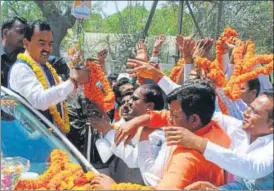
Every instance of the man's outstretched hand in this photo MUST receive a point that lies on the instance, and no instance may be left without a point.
(144, 70)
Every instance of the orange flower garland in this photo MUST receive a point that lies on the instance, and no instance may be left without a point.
(175, 71)
(61, 175)
(235, 91)
(238, 53)
(129, 186)
(252, 62)
(250, 50)
(244, 62)
(214, 70)
(92, 92)
(64, 175)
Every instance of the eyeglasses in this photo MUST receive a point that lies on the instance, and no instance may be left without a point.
(135, 98)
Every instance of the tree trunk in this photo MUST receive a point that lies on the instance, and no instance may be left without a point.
(218, 21)
(59, 23)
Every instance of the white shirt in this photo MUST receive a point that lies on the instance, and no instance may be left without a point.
(253, 163)
(236, 108)
(152, 168)
(129, 154)
(24, 81)
(233, 128)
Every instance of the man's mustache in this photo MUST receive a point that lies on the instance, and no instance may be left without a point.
(45, 52)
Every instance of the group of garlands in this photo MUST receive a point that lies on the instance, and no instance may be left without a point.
(64, 175)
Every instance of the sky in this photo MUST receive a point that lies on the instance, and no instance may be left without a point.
(109, 6)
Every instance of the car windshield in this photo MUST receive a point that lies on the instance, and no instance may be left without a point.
(24, 134)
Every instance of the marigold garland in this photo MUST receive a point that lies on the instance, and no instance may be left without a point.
(61, 175)
(92, 92)
(64, 175)
(250, 50)
(129, 186)
(63, 125)
(175, 71)
(235, 91)
(214, 70)
(244, 62)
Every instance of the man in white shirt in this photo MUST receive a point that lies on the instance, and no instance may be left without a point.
(26, 80)
(231, 125)
(146, 97)
(253, 166)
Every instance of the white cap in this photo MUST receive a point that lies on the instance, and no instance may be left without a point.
(123, 75)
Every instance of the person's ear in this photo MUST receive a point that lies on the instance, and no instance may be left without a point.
(195, 121)
(26, 43)
(254, 94)
(150, 106)
(270, 125)
(5, 32)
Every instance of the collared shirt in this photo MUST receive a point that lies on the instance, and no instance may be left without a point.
(186, 166)
(129, 154)
(236, 108)
(152, 168)
(230, 125)
(253, 166)
(24, 81)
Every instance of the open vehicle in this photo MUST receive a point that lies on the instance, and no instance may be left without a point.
(26, 133)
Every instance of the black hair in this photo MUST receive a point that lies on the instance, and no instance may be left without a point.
(127, 93)
(43, 26)
(7, 24)
(196, 97)
(269, 94)
(113, 76)
(254, 84)
(153, 93)
(120, 83)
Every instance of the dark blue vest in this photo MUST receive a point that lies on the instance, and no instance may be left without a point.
(51, 81)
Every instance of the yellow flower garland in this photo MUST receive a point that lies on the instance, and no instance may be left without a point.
(63, 125)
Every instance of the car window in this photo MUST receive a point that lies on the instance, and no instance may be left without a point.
(23, 134)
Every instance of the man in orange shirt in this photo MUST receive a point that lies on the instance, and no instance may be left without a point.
(192, 107)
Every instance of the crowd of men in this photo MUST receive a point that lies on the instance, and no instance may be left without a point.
(171, 135)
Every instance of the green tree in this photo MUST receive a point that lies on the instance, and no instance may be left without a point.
(57, 13)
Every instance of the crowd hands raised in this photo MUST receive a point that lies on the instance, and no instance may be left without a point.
(203, 140)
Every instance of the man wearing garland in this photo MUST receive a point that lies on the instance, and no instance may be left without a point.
(33, 77)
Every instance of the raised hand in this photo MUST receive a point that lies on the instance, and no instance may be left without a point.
(81, 76)
(101, 56)
(157, 45)
(188, 49)
(202, 48)
(228, 45)
(143, 70)
(141, 51)
(101, 124)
